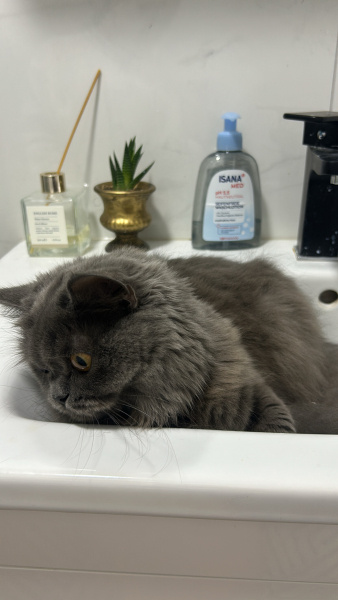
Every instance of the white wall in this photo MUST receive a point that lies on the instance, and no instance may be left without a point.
(170, 68)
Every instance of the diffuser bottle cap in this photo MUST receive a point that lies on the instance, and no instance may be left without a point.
(52, 183)
(229, 140)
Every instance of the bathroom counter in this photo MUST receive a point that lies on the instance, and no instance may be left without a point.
(276, 492)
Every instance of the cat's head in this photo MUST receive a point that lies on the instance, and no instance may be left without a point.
(110, 344)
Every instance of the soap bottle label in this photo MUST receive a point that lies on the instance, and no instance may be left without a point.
(47, 225)
(229, 213)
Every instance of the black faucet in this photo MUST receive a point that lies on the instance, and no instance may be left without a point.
(318, 223)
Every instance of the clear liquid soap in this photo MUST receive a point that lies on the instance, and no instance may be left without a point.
(227, 204)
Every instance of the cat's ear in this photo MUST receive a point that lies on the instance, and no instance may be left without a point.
(16, 297)
(100, 293)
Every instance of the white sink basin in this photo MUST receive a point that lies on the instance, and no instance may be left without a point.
(231, 475)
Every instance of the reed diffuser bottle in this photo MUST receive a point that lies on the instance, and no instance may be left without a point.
(56, 220)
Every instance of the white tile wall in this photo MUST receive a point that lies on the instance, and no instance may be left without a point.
(170, 69)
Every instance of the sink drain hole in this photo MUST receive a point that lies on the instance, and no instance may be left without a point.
(328, 296)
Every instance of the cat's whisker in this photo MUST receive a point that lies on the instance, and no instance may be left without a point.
(126, 417)
(157, 409)
(150, 419)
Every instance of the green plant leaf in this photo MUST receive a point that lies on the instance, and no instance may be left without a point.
(123, 178)
(127, 166)
(137, 157)
(132, 148)
(120, 183)
(113, 172)
(141, 175)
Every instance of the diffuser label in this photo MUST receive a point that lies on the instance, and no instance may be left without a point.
(47, 225)
(229, 213)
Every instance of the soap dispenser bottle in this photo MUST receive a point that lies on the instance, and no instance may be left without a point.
(227, 204)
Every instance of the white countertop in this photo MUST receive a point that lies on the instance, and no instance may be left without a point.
(172, 472)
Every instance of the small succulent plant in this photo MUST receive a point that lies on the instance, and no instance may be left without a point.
(124, 178)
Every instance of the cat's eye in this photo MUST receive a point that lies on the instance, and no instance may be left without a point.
(81, 361)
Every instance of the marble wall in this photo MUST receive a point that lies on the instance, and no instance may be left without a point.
(170, 68)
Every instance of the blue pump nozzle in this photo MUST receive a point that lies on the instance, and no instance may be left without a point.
(229, 140)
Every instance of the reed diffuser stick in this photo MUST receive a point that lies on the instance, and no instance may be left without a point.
(78, 120)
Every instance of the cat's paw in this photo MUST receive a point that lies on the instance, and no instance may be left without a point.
(274, 417)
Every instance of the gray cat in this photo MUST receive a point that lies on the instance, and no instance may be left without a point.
(134, 339)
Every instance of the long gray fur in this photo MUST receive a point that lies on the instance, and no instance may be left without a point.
(199, 342)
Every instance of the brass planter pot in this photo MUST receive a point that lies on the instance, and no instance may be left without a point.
(125, 213)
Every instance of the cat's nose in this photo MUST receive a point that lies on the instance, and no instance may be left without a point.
(61, 398)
